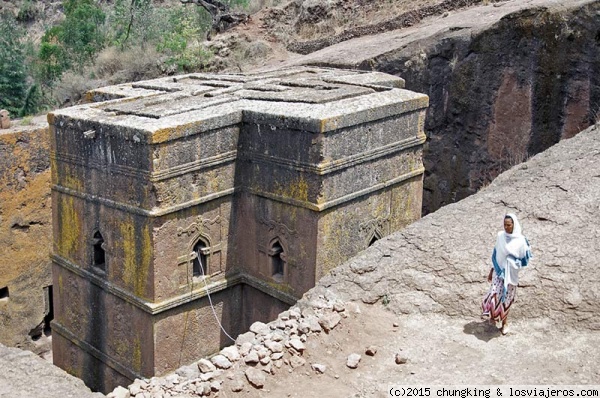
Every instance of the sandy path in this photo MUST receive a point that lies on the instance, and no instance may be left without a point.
(440, 350)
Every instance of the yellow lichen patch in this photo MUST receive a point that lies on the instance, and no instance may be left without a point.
(72, 182)
(297, 189)
(171, 133)
(329, 124)
(28, 208)
(70, 224)
(137, 254)
(137, 354)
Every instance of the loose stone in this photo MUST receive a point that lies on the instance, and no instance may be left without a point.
(371, 350)
(329, 321)
(245, 348)
(237, 385)
(231, 353)
(259, 328)
(400, 359)
(221, 362)
(353, 360)
(204, 365)
(318, 368)
(296, 361)
(255, 377)
(297, 345)
(121, 392)
(252, 358)
(247, 337)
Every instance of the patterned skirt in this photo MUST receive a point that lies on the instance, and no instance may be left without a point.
(492, 305)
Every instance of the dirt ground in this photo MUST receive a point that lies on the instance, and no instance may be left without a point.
(440, 350)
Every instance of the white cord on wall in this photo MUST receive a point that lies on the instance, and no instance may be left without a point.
(209, 298)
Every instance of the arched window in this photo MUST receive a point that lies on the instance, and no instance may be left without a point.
(99, 254)
(277, 261)
(200, 262)
(373, 240)
(375, 236)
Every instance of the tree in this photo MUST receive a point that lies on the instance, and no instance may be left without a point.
(222, 16)
(13, 70)
(82, 30)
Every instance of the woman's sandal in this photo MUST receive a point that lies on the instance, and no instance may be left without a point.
(504, 329)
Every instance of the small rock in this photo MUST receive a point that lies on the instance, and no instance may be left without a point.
(279, 324)
(297, 345)
(207, 376)
(268, 368)
(265, 360)
(353, 360)
(276, 355)
(295, 314)
(247, 337)
(313, 325)
(318, 368)
(216, 385)
(296, 361)
(308, 312)
(400, 359)
(204, 366)
(221, 362)
(203, 389)
(329, 321)
(134, 389)
(395, 324)
(121, 392)
(237, 385)
(231, 353)
(371, 350)
(259, 328)
(186, 373)
(303, 327)
(277, 337)
(274, 346)
(263, 352)
(252, 357)
(245, 348)
(255, 377)
(339, 307)
(172, 378)
(284, 316)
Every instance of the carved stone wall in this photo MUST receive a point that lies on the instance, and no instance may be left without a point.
(243, 189)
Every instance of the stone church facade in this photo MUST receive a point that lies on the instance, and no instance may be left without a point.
(184, 203)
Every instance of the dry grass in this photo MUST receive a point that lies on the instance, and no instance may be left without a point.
(257, 5)
(133, 64)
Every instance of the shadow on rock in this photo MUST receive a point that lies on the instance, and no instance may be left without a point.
(482, 330)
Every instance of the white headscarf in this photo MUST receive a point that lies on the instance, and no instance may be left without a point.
(511, 253)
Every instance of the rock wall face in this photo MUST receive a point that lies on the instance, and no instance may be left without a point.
(505, 81)
(501, 94)
(29, 375)
(25, 235)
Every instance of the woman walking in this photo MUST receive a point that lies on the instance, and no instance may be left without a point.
(511, 253)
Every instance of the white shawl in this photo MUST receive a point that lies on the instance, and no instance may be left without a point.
(511, 253)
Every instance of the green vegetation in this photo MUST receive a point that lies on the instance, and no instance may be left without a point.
(17, 95)
(97, 42)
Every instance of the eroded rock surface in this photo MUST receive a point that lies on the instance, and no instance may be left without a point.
(505, 81)
(25, 234)
(25, 375)
(439, 263)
